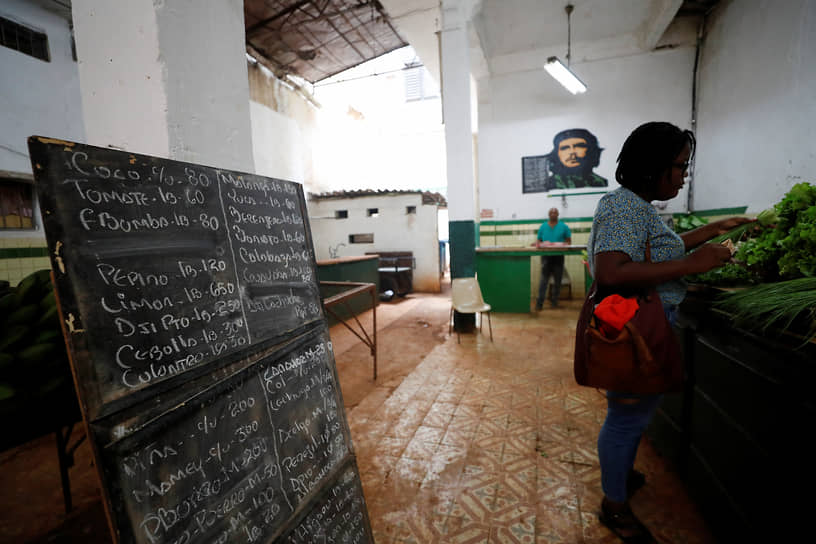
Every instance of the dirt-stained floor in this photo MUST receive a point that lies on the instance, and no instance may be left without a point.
(475, 441)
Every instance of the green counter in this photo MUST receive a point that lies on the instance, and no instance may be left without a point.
(504, 274)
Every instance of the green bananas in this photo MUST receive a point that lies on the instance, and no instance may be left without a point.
(33, 358)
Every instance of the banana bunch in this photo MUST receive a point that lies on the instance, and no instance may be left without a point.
(33, 359)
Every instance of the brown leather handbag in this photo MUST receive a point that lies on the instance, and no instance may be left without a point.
(644, 358)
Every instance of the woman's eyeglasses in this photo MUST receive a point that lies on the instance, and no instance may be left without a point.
(681, 165)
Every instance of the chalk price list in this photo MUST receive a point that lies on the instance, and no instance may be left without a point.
(169, 315)
(233, 470)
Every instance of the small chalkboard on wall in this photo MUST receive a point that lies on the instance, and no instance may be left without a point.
(535, 174)
(200, 351)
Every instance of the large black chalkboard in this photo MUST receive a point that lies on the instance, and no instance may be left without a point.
(200, 350)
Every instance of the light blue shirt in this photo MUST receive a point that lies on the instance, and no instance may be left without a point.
(624, 222)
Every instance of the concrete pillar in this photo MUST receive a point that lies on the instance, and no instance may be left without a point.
(456, 104)
(166, 78)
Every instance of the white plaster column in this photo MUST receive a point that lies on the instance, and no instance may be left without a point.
(456, 107)
(166, 78)
(456, 104)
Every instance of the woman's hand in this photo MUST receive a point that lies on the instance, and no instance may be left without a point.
(708, 257)
(724, 225)
(693, 238)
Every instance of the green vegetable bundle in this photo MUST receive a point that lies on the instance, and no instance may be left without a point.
(788, 250)
(688, 222)
(783, 248)
(787, 305)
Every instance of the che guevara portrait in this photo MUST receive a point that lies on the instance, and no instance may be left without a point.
(569, 165)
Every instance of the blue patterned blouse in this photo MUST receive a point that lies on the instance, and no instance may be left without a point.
(623, 222)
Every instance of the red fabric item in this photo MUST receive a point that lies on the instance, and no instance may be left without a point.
(614, 312)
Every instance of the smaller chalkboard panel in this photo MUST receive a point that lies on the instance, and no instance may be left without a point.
(535, 174)
(241, 457)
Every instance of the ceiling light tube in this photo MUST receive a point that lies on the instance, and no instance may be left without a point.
(564, 76)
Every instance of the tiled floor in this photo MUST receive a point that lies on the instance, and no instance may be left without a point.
(494, 442)
(456, 442)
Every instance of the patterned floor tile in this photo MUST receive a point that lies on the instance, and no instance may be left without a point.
(409, 470)
(437, 419)
(429, 434)
(514, 526)
(419, 450)
(393, 446)
(466, 531)
(554, 526)
(457, 437)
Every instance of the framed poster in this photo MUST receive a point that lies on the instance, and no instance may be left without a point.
(569, 165)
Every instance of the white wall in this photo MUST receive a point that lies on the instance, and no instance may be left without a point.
(757, 103)
(527, 109)
(393, 230)
(372, 138)
(277, 144)
(37, 97)
(170, 81)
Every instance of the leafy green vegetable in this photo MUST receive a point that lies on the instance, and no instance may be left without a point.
(728, 275)
(786, 247)
(689, 222)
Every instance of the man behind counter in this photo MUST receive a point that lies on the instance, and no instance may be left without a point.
(552, 233)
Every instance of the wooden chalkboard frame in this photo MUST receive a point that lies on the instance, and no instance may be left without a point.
(288, 348)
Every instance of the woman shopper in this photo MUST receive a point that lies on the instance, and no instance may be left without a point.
(652, 165)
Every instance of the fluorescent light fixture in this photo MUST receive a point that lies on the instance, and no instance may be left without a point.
(564, 76)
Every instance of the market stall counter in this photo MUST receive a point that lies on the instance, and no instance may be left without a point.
(504, 274)
(739, 432)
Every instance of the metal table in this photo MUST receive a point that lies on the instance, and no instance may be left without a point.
(356, 288)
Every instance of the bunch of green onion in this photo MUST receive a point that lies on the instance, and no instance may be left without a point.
(773, 305)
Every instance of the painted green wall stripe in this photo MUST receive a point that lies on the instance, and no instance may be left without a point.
(538, 221)
(525, 231)
(702, 213)
(463, 241)
(23, 252)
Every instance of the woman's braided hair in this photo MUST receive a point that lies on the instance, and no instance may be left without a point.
(648, 152)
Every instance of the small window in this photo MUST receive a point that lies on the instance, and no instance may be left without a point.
(23, 39)
(418, 83)
(16, 204)
(373, 212)
(341, 214)
(409, 210)
(361, 238)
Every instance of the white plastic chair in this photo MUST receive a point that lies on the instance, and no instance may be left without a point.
(466, 298)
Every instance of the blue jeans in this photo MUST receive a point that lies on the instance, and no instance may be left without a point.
(620, 434)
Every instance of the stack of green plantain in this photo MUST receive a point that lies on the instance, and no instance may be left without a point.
(33, 360)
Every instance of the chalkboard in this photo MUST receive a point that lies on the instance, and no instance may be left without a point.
(199, 348)
(535, 174)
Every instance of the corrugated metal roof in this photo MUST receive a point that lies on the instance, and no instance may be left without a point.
(427, 196)
(316, 39)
